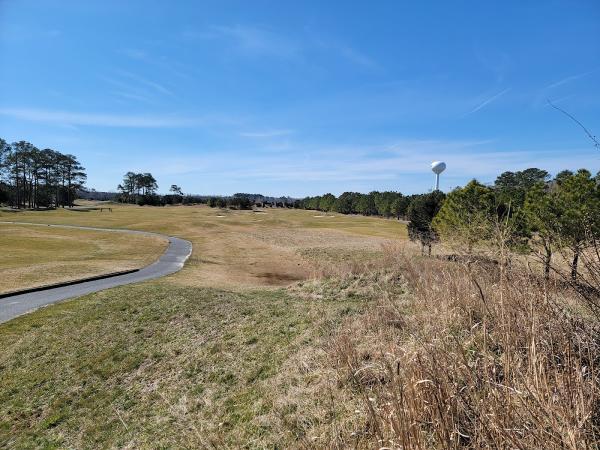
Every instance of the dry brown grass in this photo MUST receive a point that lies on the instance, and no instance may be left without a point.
(379, 348)
(451, 356)
(238, 249)
(33, 255)
(173, 363)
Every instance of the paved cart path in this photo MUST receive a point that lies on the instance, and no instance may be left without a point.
(171, 261)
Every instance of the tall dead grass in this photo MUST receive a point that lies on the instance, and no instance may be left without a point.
(454, 355)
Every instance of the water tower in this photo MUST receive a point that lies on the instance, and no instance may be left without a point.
(438, 167)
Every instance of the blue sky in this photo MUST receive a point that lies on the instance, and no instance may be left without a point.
(302, 98)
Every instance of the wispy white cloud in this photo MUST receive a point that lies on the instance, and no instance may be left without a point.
(134, 87)
(498, 63)
(104, 120)
(257, 42)
(467, 158)
(346, 52)
(487, 101)
(128, 91)
(20, 33)
(550, 91)
(353, 55)
(175, 68)
(558, 100)
(266, 133)
(413, 160)
(313, 168)
(132, 96)
(157, 87)
(134, 53)
(569, 79)
(251, 41)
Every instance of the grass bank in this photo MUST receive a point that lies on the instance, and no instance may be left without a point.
(150, 366)
(217, 355)
(469, 357)
(378, 348)
(399, 351)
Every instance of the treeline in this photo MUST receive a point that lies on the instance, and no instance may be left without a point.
(235, 202)
(384, 204)
(247, 201)
(139, 188)
(34, 178)
(526, 212)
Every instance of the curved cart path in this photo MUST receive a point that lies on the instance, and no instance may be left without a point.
(171, 261)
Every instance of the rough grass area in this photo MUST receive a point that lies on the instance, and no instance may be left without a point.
(237, 249)
(469, 357)
(158, 366)
(396, 351)
(324, 256)
(378, 349)
(216, 355)
(34, 255)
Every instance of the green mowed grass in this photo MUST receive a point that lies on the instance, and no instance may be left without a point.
(158, 366)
